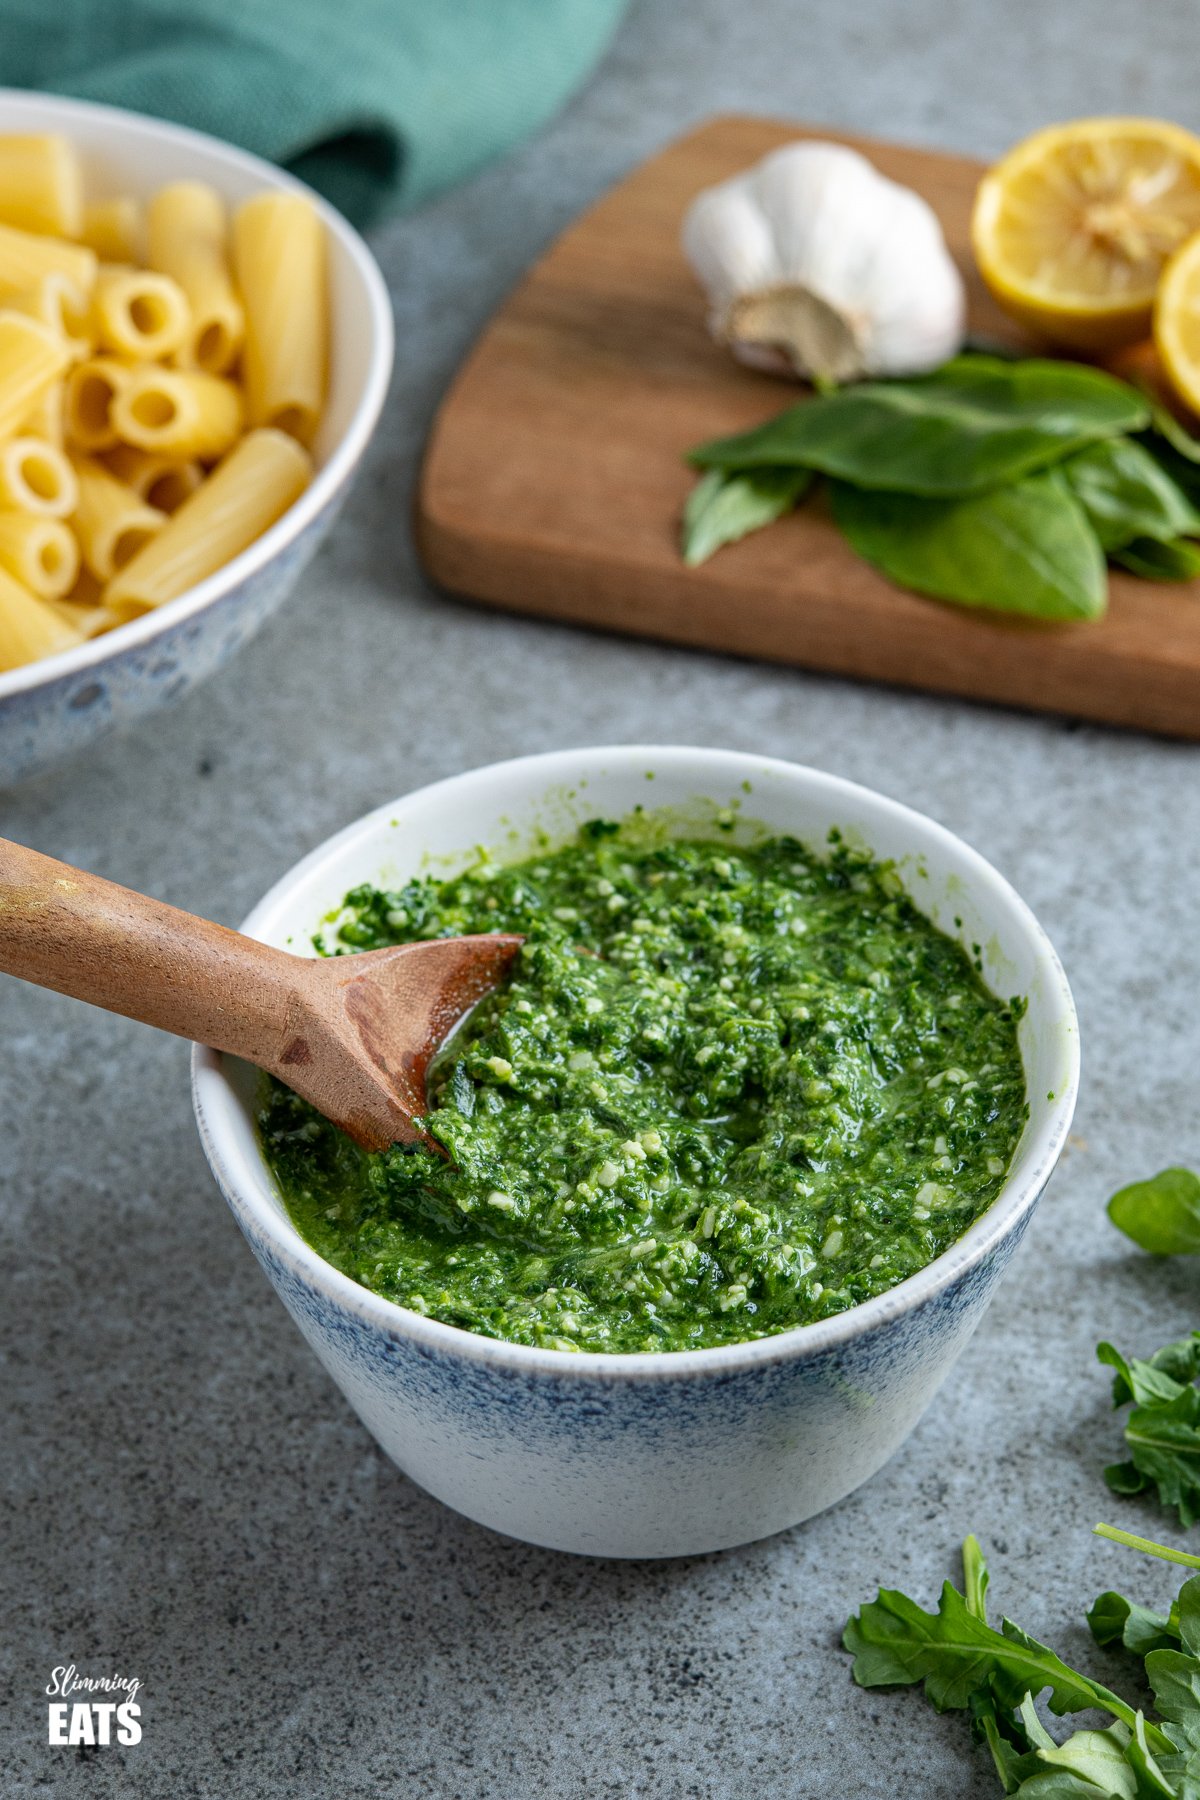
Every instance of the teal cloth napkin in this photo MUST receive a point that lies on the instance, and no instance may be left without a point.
(378, 103)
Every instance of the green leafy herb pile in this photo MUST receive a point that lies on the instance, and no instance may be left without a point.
(996, 1675)
(993, 483)
(1163, 1430)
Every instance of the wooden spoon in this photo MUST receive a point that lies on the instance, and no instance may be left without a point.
(355, 1035)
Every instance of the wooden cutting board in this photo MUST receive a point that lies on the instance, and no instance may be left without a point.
(553, 480)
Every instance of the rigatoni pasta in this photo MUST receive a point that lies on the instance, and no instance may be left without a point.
(32, 357)
(161, 367)
(111, 522)
(47, 417)
(252, 488)
(114, 229)
(279, 262)
(25, 258)
(41, 184)
(36, 478)
(187, 238)
(163, 481)
(41, 552)
(182, 412)
(139, 314)
(91, 389)
(61, 304)
(30, 628)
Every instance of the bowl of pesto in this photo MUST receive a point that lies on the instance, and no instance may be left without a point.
(733, 1162)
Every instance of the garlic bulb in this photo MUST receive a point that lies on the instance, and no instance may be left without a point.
(816, 263)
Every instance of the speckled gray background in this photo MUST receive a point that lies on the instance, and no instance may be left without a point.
(185, 1495)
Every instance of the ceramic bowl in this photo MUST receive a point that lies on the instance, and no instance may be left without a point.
(55, 707)
(660, 1454)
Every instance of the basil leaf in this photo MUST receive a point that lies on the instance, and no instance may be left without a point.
(1162, 1215)
(1154, 561)
(1024, 549)
(1164, 424)
(723, 508)
(972, 425)
(1127, 494)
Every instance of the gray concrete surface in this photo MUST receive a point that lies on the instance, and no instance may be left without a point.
(185, 1495)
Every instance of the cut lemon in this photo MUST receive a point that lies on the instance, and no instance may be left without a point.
(1177, 322)
(1072, 228)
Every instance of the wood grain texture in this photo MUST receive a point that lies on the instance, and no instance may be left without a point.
(553, 480)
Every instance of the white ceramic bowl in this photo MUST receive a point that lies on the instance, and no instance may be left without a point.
(53, 708)
(662, 1454)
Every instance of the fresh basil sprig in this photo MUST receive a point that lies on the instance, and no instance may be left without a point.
(1127, 494)
(977, 423)
(1154, 561)
(1027, 548)
(723, 508)
(991, 483)
(1161, 1215)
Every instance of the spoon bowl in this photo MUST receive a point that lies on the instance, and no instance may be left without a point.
(353, 1035)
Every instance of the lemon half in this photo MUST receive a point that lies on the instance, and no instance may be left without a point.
(1072, 229)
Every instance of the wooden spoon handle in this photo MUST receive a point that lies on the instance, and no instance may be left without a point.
(71, 931)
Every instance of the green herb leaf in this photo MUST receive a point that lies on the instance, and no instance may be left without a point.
(1115, 1620)
(1162, 1432)
(723, 508)
(1096, 1759)
(1151, 1778)
(1163, 1377)
(1164, 424)
(1162, 1215)
(963, 1662)
(896, 1644)
(1154, 561)
(1024, 549)
(1127, 494)
(976, 423)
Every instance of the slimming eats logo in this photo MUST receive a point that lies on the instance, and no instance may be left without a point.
(106, 1721)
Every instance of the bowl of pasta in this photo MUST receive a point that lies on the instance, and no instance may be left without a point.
(194, 352)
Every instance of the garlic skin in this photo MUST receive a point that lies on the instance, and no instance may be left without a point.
(816, 264)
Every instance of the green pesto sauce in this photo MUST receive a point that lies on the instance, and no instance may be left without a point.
(728, 1091)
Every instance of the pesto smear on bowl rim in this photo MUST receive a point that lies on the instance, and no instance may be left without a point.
(727, 1091)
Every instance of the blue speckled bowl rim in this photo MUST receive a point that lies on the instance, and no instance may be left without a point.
(1050, 1120)
(328, 479)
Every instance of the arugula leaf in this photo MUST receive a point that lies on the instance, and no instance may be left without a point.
(1162, 1215)
(1163, 1430)
(1165, 1443)
(1151, 1778)
(1026, 548)
(1115, 1620)
(1167, 1371)
(1127, 494)
(1095, 1758)
(896, 1644)
(975, 423)
(1154, 561)
(1174, 1676)
(722, 508)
